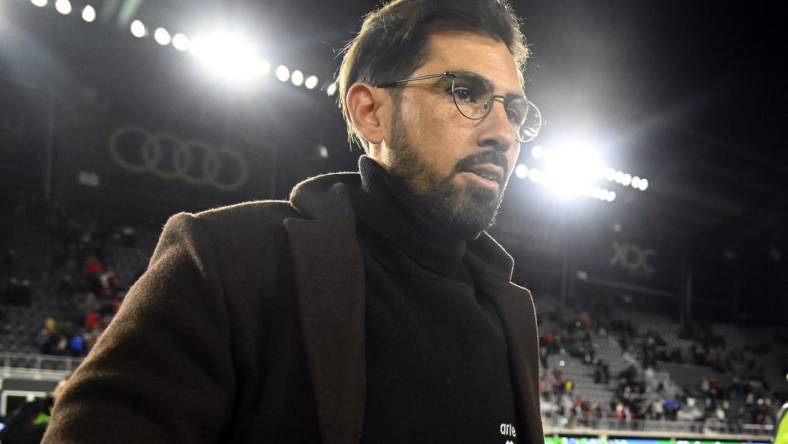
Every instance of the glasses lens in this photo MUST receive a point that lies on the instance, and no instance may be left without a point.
(471, 95)
(531, 124)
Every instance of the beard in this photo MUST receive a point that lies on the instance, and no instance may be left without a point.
(457, 211)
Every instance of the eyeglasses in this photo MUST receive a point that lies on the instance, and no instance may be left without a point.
(473, 96)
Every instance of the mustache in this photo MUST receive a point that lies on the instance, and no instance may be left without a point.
(493, 157)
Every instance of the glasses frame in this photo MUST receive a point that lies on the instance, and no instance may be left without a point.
(487, 105)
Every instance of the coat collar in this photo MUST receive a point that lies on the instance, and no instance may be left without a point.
(331, 295)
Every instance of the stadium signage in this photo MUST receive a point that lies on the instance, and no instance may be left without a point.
(633, 258)
(138, 150)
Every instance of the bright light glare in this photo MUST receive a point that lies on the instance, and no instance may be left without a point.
(162, 36)
(537, 151)
(521, 171)
(138, 29)
(572, 168)
(263, 67)
(63, 7)
(226, 55)
(643, 184)
(89, 14)
(180, 42)
(297, 78)
(311, 82)
(39, 3)
(282, 73)
(627, 180)
(331, 89)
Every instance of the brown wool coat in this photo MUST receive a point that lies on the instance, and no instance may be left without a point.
(248, 327)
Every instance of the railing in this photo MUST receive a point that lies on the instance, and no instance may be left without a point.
(37, 366)
(554, 424)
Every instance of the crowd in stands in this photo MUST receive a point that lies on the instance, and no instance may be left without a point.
(93, 290)
(88, 283)
(639, 392)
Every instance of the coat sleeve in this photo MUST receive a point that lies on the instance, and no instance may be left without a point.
(162, 371)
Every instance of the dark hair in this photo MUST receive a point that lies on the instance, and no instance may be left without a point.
(393, 41)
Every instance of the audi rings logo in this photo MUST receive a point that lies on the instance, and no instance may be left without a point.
(138, 150)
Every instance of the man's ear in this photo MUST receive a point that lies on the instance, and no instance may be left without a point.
(366, 106)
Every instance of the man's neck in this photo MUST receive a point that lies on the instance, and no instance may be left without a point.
(385, 208)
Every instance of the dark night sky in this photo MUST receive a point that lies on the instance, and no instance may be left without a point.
(689, 94)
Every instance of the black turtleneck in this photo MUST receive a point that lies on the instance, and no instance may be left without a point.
(437, 362)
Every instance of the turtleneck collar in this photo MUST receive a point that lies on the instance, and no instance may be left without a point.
(380, 205)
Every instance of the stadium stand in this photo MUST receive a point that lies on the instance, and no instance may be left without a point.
(64, 275)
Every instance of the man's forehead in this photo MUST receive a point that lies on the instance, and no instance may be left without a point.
(463, 51)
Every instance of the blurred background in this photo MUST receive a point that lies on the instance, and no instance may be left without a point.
(648, 217)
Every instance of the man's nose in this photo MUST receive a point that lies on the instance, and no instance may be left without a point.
(497, 130)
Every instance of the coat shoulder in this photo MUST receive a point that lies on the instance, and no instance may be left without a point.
(242, 228)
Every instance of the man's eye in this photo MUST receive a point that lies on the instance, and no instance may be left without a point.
(515, 115)
(463, 94)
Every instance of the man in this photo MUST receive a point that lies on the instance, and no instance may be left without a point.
(369, 307)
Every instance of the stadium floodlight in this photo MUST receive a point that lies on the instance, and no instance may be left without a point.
(39, 3)
(297, 78)
(138, 29)
(572, 168)
(521, 171)
(63, 7)
(180, 42)
(282, 73)
(626, 180)
(162, 36)
(311, 82)
(89, 14)
(331, 89)
(226, 55)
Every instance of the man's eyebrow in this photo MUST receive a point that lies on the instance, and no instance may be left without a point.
(509, 96)
(513, 96)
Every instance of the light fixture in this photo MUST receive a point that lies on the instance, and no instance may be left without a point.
(297, 78)
(162, 36)
(331, 89)
(521, 171)
(537, 152)
(39, 3)
(311, 82)
(627, 180)
(572, 168)
(282, 73)
(138, 29)
(226, 55)
(88, 14)
(63, 7)
(180, 42)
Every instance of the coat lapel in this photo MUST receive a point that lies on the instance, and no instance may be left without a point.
(330, 284)
(515, 308)
(516, 311)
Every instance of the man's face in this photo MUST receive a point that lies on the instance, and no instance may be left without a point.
(444, 159)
